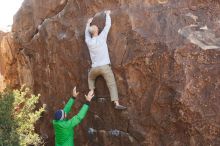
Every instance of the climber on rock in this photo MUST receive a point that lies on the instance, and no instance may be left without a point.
(98, 49)
(64, 128)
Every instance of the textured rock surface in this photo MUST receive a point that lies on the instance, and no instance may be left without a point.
(10, 61)
(165, 56)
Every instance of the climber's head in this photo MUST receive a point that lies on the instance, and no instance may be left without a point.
(59, 115)
(94, 30)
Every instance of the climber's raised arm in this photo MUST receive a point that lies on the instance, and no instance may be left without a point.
(107, 27)
(87, 34)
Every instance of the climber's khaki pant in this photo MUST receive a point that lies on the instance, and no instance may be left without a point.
(108, 75)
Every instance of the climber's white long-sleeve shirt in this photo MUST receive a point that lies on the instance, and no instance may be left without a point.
(98, 48)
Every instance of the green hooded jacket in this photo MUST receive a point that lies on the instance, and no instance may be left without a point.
(64, 129)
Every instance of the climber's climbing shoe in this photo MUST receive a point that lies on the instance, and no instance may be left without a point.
(120, 107)
(94, 98)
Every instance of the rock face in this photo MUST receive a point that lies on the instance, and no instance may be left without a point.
(165, 55)
(10, 61)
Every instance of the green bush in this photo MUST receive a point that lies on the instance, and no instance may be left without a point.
(18, 115)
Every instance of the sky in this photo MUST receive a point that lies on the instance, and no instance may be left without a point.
(8, 9)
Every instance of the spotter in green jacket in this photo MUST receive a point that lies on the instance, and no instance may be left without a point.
(64, 128)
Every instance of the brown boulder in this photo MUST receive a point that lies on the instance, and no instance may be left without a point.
(165, 56)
